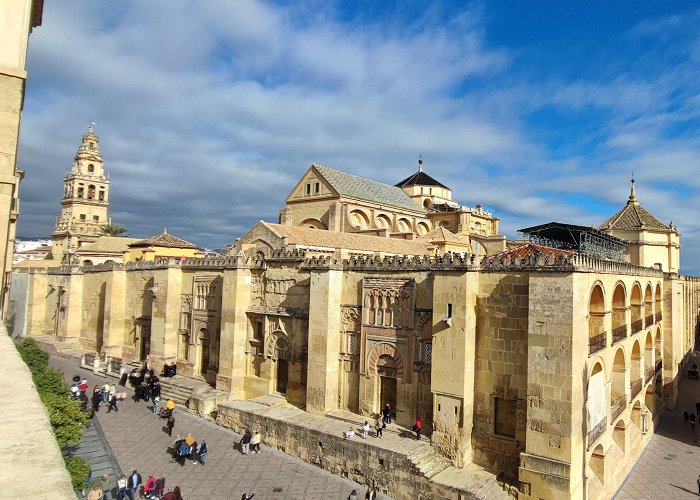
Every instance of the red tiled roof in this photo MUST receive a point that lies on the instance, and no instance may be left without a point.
(528, 249)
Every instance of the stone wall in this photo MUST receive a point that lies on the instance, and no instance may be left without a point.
(390, 473)
(501, 367)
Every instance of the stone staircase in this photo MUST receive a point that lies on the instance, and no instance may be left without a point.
(427, 461)
(176, 389)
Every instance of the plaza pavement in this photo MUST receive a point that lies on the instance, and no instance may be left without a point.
(138, 441)
(670, 464)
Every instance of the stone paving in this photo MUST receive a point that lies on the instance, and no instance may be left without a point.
(139, 441)
(670, 464)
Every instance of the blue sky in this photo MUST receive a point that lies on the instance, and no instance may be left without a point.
(209, 112)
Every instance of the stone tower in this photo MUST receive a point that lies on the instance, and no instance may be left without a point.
(85, 199)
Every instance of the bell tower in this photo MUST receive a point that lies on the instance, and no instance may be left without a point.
(85, 199)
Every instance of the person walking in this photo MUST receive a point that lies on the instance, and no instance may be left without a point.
(352, 495)
(156, 403)
(255, 442)
(95, 492)
(350, 434)
(121, 487)
(170, 424)
(132, 484)
(160, 486)
(149, 487)
(105, 392)
(365, 430)
(202, 451)
(245, 442)
(418, 427)
(386, 414)
(173, 495)
(182, 452)
(96, 399)
(113, 403)
(379, 428)
(106, 484)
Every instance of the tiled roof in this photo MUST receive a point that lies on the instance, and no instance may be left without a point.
(524, 251)
(420, 178)
(632, 217)
(164, 240)
(37, 264)
(354, 186)
(350, 241)
(108, 244)
(443, 235)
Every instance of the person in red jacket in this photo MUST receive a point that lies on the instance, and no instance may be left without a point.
(149, 487)
(418, 427)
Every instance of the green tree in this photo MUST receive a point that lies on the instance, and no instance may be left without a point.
(110, 229)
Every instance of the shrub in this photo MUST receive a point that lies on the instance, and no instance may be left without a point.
(79, 471)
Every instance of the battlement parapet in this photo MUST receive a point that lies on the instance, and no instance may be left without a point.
(582, 262)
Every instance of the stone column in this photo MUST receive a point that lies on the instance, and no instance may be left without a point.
(674, 318)
(71, 305)
(552, 464)
(116, 324)
(236, 299)
(165, 319)
(37, 321)
(324, 340)
(452, 369)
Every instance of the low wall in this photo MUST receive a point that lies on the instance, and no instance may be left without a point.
(32, 464)
(389, 472)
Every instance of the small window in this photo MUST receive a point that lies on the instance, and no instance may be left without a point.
(427, 352)
(259, 331)
(505, 410)
(96, 218)
(449, 310)
(102, 196)
(92, 144)
(91, 168)
(82, 217)
(80, 192)
(317, 188)
(308, 189)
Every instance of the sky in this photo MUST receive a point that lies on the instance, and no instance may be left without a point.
(208, 113)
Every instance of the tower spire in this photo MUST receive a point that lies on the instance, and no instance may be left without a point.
(633, 195)
(420, 163)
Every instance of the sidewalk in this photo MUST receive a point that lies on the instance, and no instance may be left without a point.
(138, 440)
(670, 464)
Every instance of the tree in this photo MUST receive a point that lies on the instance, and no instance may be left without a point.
(110, 229)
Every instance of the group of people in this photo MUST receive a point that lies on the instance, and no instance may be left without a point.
(380, 426)
(145, 383)
(152, 488)
(250, 440)
(189, 449)
(371, 494)
(169, 370)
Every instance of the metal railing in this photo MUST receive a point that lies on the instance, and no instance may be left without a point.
(637, 326)
(597, 342)
(659, 365)
(649, 320)
(619, 333)
(649, 374)
(635, 387)
(597, 431)
(618, 406)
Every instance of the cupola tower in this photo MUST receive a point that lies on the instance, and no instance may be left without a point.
(85, 199)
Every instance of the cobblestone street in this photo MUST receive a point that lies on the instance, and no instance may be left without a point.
(139, 441)
(670, 465)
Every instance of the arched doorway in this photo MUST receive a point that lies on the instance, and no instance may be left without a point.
(386, 369)
(278, 349)
(204, 351)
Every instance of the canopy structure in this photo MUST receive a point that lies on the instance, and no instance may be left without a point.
(588, 240)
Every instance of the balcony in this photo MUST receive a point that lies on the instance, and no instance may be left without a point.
(649, 374)
(619, 333)
(597, 431)
(637, 326)
(618, 406)
(597, 342)
(659, 365)
(649, 320)
(635, 387)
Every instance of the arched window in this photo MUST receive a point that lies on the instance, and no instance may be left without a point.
(91, 192)
(91, 168)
